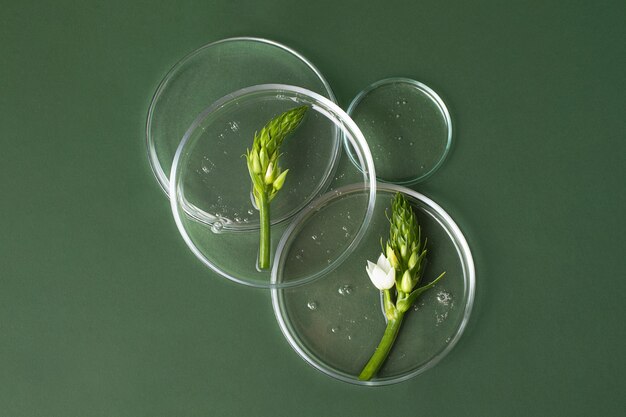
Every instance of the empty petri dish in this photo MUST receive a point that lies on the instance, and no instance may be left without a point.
(335, 322)
(407, 127)
(211, 190)
(210, 73)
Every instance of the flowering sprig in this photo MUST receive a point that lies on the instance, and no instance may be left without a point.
(265, 172)
(404, 258)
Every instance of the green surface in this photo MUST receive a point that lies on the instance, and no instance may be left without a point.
(105, 312)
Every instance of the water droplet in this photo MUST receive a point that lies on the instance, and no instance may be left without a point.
(448, 340)
(314, 237)
(217, 227)
(441, 318)
(349, 337)
(345, 290)
(312, 305)
(251, 212)
(411, 143)
(404, 101)
(397, 101)
(335, 329)
(444, 298)
(397, 115)
(234, 126)
(206, 169)
(299, 257)
(399, 138)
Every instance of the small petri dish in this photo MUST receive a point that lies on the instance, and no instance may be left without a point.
(407, 127)
(210, 187)
(335, 322)
(210, 73)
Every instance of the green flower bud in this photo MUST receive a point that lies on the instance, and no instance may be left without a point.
(412, 260)
(280, 180)
(406, 283)
(392, 258)
(269, 174)
(263, 158)
(403, 251)
(256, 164)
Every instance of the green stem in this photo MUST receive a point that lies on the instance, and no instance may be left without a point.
(264, 242)
(383, 349)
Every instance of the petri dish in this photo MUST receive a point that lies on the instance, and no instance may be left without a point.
(335, 322)
(210, 187)
(210, 73)
(407, 126)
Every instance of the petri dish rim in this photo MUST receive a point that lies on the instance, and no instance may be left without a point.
(469, 277)
(161, 176)
(346, 124)
(434, 97)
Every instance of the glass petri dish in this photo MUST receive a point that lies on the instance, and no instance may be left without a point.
(210, 187)
(336, 322)
(407, 126)
(210, 73)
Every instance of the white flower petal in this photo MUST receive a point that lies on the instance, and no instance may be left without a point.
(383, 263)
(379, 279)
(390, 279)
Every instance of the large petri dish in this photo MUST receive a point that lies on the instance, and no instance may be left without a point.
(210, 187)
(210, 73)
(335, 322)
(408, 128)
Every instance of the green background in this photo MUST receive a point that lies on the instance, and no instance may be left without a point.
(105, 312)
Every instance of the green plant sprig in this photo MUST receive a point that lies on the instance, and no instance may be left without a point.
(397, 274)
(265, 172)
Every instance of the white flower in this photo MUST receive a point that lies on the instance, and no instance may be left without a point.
(382, 274)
